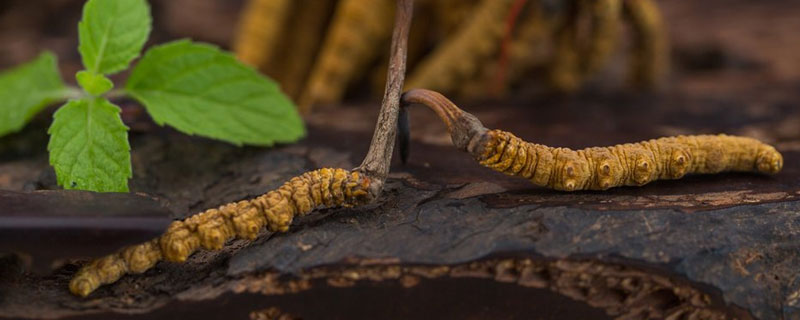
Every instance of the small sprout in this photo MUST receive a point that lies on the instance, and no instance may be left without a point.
(88, 144)
(95, 84)
(276, 209)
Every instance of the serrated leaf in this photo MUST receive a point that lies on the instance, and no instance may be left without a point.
(94, 83)
(26, 90)
(89, 146)
(112, 33)
(200, 90)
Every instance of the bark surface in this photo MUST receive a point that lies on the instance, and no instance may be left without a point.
(451, 238)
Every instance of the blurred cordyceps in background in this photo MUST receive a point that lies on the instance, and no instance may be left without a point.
(319, 49)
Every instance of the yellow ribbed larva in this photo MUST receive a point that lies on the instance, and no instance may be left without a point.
(307, 25)
(213, 228)
(461, 55)
(632, 164)
(650, 50)
(565, 74)
(357, 30)
(596, 168)
(606, 26)
(260, 26)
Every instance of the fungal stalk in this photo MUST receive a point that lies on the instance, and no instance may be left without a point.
(596, 168)
(276, 209)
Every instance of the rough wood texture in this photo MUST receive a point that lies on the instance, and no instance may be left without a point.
(712, 246)
(731, 237)
(51, 226)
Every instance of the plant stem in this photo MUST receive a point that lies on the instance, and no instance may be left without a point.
(378, 159)
(115, 94)
(71, 92)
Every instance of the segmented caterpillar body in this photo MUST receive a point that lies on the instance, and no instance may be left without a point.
(606, 26)
(649, 53)
(598, 168)
(574, 60)
(212, 228)
(461, 55)
(574, 40)
(631, 164)
(261, 25)
(565, 74)
(530, 47)
(307, 25)
(358, 29)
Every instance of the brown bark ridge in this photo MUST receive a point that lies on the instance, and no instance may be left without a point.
(710, 246)
(449, 238)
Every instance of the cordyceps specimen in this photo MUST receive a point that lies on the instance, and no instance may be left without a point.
(213, 228)
(597, 168)
(317, 55)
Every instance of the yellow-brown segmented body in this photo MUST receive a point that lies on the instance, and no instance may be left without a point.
(649, 55)
(529, 48)
(606, 17)
(631, 164)
(358, 29)
(307, 28)
(462, 54)
(597, 168)
(212, 228)
(565, 71)
(260, 26)
(450, 14)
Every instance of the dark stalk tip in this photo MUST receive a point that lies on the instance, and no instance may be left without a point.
(403, 134)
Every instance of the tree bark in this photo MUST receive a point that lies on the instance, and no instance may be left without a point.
(720, 245)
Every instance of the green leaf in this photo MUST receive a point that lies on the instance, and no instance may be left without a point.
(200, 90)
(95, 84)
(26, 90)
(112, 33)
(89, 146)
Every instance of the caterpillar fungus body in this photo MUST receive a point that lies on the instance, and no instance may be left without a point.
(598, 168)
(212, 228)
(462, 54)
(606, 26)
(650, 50)
(565, 74)
(357, 29)
(260, 26)
(575, 61)
(308, 23)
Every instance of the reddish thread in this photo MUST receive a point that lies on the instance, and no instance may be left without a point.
(502, 64)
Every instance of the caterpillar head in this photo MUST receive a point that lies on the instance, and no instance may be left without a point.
(83, 284)
(769, 160)
(609, 172)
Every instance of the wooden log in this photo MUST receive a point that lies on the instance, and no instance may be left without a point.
(51, 226)
(449, 236)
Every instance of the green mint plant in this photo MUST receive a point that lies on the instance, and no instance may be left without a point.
(195, 88)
